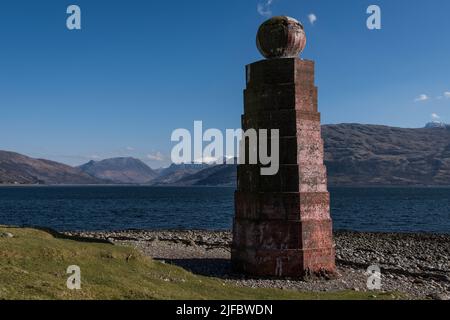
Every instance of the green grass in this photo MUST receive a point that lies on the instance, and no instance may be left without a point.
(33, 265)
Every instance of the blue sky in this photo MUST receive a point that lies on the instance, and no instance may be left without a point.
(140, 69)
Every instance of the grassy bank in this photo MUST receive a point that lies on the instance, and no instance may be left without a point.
(33, 265)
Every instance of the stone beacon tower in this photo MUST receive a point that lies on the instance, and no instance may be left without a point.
(282, 225)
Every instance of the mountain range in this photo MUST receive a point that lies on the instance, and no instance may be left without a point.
(374, 155)
(19, 169)
(212, 175)
(120, 171)
(355, 155)
(177, 172)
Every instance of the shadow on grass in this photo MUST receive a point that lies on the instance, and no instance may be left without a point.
(218, 268)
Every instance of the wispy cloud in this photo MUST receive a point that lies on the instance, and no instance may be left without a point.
(422, 97)
(129, 148)
(207, 160)
(264, 9)
(158, 156)
(445, 95)
(312, 18)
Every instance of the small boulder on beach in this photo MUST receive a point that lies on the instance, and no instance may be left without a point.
(6, 235)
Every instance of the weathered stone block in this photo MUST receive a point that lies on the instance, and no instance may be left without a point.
(281, 97)
(280, 71)
(283, 234)
(284, 263)
(292, 206)
(283, 120)
(272, 98)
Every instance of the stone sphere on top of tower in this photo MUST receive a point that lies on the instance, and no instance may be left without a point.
(281, 37)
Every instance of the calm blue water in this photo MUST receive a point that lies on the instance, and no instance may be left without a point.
(116, 208)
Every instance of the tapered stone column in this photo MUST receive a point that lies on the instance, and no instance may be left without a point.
(282, 225)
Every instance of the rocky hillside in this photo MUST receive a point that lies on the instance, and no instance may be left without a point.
(19, 169)
(378, 155)
(120, 170)
(213, 175)
(177, 172)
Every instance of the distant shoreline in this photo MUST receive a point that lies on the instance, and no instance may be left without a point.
(108, 185)
(418, 234)
(336, 232)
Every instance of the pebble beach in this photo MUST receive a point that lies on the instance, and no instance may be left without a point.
(413, 266)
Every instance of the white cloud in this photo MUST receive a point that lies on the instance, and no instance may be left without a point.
(210, 160)
(207, 160)
(263, 8)
(94, 157)
(312, 18)
(447, 94)
(422, 97)
(130, 148)
(156, 157)
(435, 116)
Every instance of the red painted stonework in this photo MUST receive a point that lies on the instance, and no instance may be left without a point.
(282, 225)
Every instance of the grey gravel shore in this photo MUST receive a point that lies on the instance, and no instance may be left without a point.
(416, 265)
